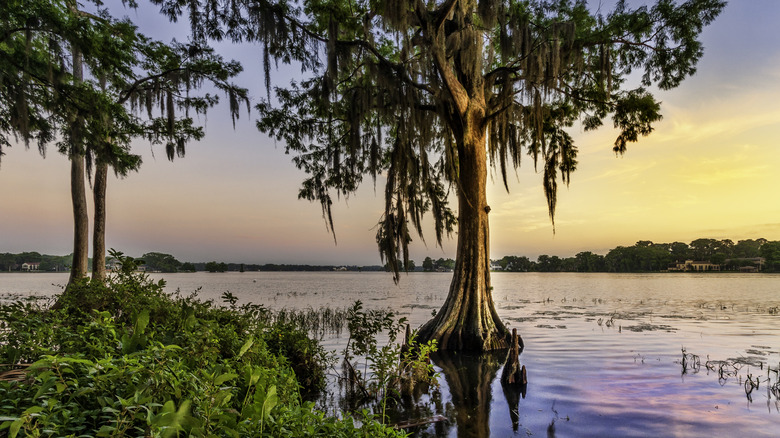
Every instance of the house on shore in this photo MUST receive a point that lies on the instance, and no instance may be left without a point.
(31, 266)
(694, 265)
(745, 264)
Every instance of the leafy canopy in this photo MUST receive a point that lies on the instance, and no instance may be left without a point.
(133, 86)
(399, 88)
(406, 84)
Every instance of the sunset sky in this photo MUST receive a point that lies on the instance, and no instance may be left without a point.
(708, 170)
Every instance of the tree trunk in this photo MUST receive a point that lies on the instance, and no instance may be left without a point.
(99, 225)
(80, 265)
(78, 191)
(468, 319)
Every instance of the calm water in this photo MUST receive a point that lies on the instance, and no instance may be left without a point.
(603, 351)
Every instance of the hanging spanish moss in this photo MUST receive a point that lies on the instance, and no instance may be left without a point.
(423, 93)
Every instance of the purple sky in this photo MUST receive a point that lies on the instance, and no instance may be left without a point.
(707, 171)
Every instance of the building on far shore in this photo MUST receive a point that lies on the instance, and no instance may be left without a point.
(745, 264)
(694, 265)
(31, 266)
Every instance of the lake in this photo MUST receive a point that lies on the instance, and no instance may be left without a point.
(603, 351)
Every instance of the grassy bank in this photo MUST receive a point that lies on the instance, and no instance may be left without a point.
(125, 359)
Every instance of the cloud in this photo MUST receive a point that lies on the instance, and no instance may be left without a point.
(710, 176)
(690, 127)
(625, 172)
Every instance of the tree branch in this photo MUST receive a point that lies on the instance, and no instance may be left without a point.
(137, 84)
(398, 68)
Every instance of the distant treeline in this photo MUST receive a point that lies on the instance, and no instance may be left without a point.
(271, 267)
(14, 262)
(160, 262)
(646, 256)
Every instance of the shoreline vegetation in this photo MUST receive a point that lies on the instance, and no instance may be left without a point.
(701, 255)
(123, 358)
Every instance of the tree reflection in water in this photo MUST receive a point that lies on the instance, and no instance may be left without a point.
(512, 393)
(470, 378)
(420, 409)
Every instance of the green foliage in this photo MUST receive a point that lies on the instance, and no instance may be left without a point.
(771, 252)
(128, 76)
(387, 369)
(216, 267)
(13, 262)
(646, 256)
(26, 331)
(305, 356)
(427, 264)
(516, 264)
(156, 261)
(411, 90)
(124, 359)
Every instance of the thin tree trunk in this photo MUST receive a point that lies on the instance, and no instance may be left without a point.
(80, 265)
(468, 319)
(99, 225)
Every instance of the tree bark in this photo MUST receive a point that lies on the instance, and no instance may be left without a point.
(468, 319)
(99, 223)
(80, 265)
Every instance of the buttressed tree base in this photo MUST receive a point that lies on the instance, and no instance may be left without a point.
(428, 94)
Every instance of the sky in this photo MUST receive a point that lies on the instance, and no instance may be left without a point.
(708, 170)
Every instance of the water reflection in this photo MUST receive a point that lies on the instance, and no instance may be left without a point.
(622, 380)
(470, 378)
(512, 393)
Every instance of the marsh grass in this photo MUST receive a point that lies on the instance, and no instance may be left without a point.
(740, 370)
(318, 322)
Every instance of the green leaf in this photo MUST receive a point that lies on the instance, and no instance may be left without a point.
(169, 407)
(224, 378)
(271, 400)
(142, 322)
(189, 323)
(45, 386)
(15, 427)
(255, 377)
(106, 430)
(247, 345)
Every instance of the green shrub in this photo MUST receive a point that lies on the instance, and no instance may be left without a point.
(306, 356)
(26, 331)
(126, 359)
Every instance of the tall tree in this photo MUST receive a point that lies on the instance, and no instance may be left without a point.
(770, 251)
(78, 194)
(428, 94)
(98, 115)
(748, 247)
(52, 51)
(164, 78)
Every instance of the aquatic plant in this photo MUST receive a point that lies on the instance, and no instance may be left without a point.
(731, 368)
(690, 362)
(388, 369)
(128, 360)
